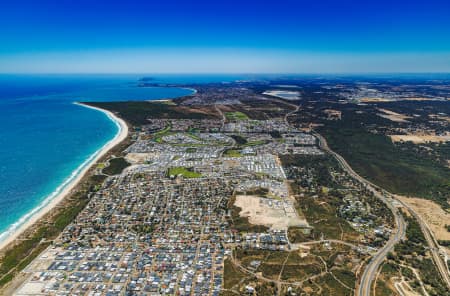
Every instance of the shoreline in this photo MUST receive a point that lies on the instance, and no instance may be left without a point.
(70, 183)
(194, 91)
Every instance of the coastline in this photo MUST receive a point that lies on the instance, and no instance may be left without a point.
(63, 190)
(194, 91)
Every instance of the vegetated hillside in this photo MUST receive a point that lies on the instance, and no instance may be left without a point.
(374, 156)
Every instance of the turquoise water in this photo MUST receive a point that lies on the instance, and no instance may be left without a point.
(45, 138)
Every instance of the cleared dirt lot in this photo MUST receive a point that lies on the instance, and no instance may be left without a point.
(435, 217)
(137, 157)
(420, 139)
(393, 116)
(376, 100)
(267, 212)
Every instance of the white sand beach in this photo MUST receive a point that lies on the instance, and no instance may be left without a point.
(47, 205)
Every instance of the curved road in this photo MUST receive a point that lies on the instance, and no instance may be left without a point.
(364, 287)
(369, 274)
(367, 278)
(432, 243)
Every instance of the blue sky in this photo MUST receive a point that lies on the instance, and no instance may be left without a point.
(169, 36)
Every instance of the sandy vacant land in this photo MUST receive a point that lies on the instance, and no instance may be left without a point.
(284, 94)
(137, 157)
(32, 271)
(419, 139)
(435, 217)
(405, 289)
(268, 212)
(393, 116)
(31, 289)
(439, 117)
(376, 100)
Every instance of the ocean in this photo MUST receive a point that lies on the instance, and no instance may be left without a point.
(45, 138)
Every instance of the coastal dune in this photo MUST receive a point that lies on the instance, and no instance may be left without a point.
(69, 184)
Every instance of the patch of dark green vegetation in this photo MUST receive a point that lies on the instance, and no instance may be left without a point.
(191, 150)
(345, 276)
(232, 275)
(299, 234)
(254, 143)
(293, 267)
(138, 113)
(415, 243)
(235, 280)
(388, 271)
(318, 167)
(414, 252)
(395, 167)
(116, 166)
(331, 286)
(445, 243)
(413, 232)
(428, 273)
(321, 208)
(275, 134)
(257, 191)
(266, 289)
(239, 139)
(322, 214)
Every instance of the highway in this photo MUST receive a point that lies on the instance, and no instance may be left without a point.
(364, 287)
(432, 243)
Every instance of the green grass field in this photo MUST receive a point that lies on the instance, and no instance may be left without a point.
(232, 153)
(187, 173)
(164, 132)
(235, 116)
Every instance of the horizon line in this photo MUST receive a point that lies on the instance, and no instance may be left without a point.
(228, 73)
